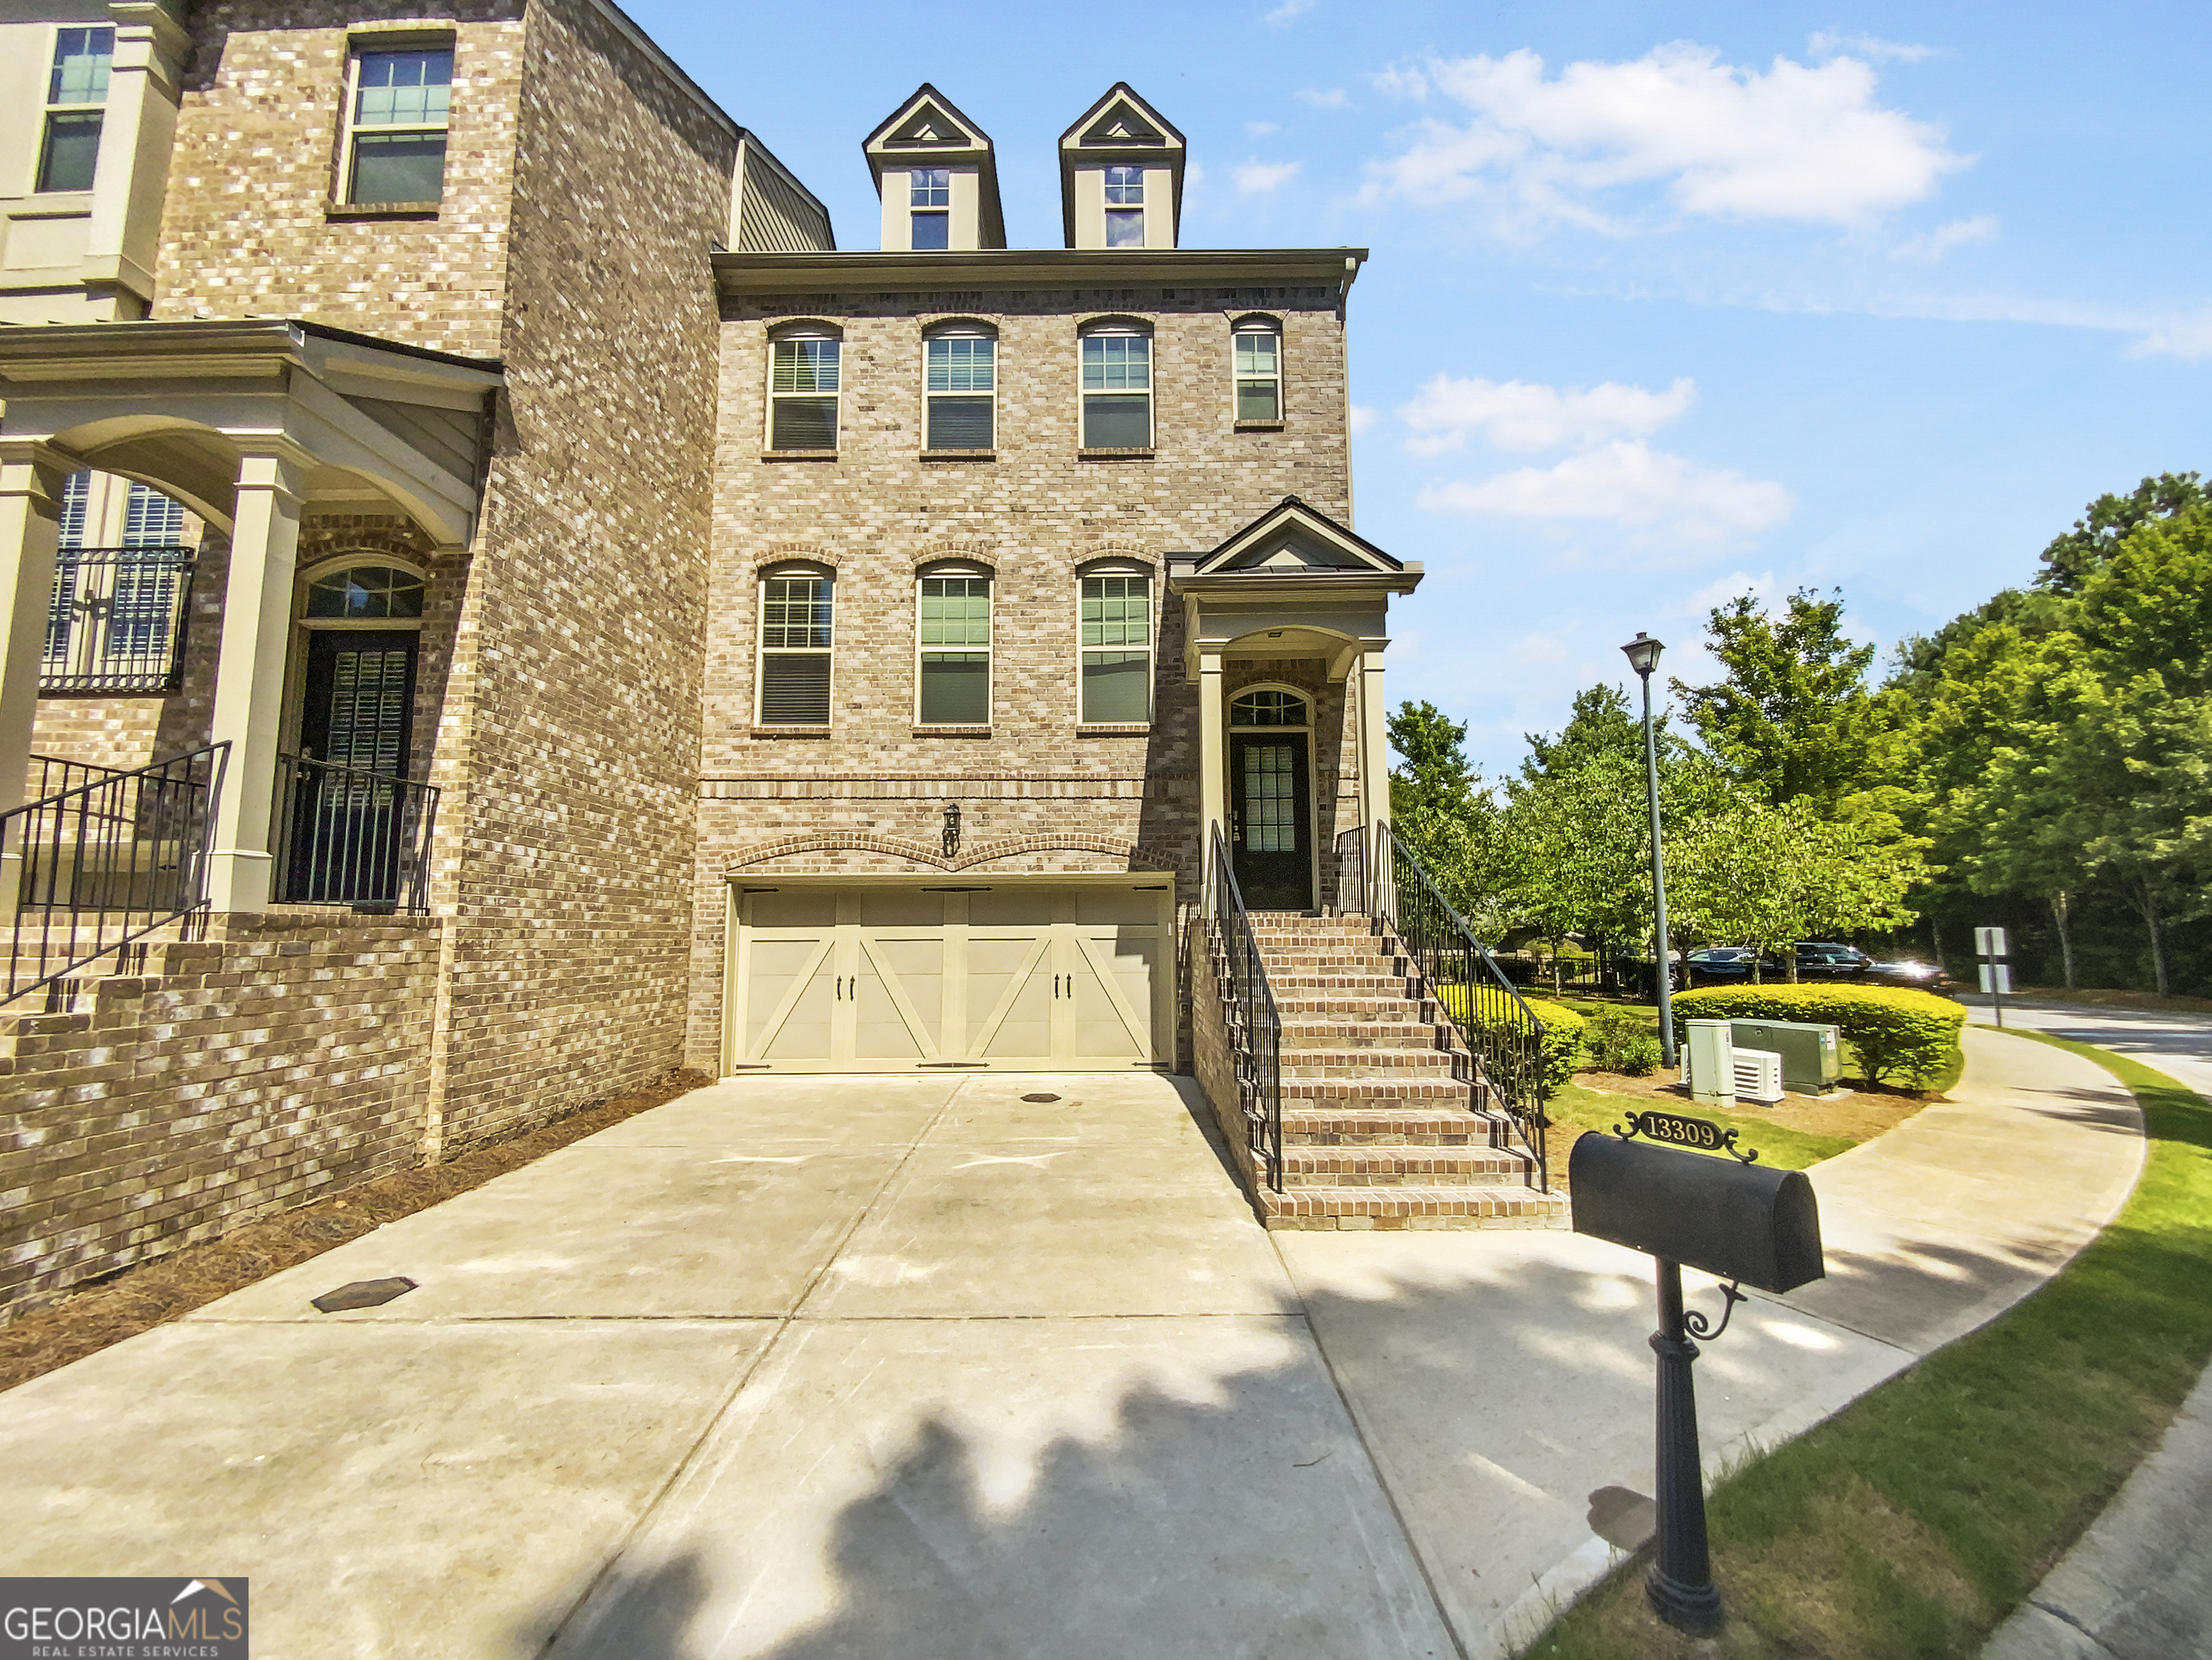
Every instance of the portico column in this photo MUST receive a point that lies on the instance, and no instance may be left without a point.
(1212, 766)
(1374, 739)
(249, 678)
(30, 508)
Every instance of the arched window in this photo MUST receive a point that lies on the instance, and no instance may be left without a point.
(1117, 387)
(363, 592)
(804, 360)
(1269, 707)
(953, 642)
(1257, 342)
(796, 635)
(960, 364)
(1115, 629)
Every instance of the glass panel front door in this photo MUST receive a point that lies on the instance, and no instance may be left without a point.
(1271, 818)
(347, 826)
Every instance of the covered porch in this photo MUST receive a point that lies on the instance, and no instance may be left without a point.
(339, 480)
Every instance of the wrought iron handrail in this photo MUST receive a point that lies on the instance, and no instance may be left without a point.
(1248, 1003)
(118, 620)
(351, 836)
(1500, 1030)
(105, 862)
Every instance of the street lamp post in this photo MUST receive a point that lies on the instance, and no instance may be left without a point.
(1642, 653)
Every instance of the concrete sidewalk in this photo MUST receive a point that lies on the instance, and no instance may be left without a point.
(914, 1367)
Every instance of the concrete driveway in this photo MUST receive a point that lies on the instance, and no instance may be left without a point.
(912, 1367)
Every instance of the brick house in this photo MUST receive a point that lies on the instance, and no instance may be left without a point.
(545, 616)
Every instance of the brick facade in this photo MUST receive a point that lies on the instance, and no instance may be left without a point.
(1058, 796)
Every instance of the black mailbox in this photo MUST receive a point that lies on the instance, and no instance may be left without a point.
(1741, 1222)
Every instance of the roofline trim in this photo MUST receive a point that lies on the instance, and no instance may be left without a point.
(1019, 268)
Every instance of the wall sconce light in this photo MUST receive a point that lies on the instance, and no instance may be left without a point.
(951, 829)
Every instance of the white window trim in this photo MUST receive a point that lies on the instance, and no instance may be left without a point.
(971, 569)
(1231, 730)
(1112, 326)
(373, 46)
(1120, 568)
(1229, 716)
(1256, 325)
(49, 109)
(354, 559)
(801, 331)
(956, 331)
(762, 650)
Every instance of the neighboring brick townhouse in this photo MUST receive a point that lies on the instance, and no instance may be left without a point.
(499, 606)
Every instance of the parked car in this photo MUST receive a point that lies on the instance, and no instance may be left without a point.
(1908, 971)
(1726, 963)
(1821, 959)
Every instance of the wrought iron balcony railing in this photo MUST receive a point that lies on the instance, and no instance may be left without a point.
(349, 836)
(117, 623)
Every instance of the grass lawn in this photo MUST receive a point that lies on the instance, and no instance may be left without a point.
(1574, 1108)
(1912, 1523)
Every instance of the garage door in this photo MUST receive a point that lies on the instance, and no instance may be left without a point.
(1024, 977)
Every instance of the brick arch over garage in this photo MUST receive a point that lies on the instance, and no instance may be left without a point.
(1133, 856)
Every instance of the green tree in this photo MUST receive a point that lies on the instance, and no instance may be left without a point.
(1793, 719)
(2071, 559)
(1601, 724)
(1436, 776)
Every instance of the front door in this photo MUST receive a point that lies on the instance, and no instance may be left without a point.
(1271, 819)
(346, 827)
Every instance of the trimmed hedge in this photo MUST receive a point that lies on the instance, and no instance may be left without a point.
(1890, 1028)
(1563, 1039)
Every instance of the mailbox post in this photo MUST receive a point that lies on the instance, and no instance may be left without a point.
(1727, 1217)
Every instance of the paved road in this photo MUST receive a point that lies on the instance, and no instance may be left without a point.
(2138, 1586)
(917, 1368)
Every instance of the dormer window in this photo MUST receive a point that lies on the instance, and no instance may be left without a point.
(930, 196)
(1124, 207)
(396, 132)
(68, 151)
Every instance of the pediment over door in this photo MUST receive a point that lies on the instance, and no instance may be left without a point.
(1293, 583)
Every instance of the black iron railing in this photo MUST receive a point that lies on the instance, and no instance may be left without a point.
(1248, 1004)
(349, 836)
(1498, 1027)
(105, 858)
(117, 623)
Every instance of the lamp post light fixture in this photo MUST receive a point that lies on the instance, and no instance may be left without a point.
(1643, 654)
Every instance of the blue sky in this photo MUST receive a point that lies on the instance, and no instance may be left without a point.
(1666, 303)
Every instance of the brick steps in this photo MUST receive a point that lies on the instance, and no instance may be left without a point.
(1384, 1118)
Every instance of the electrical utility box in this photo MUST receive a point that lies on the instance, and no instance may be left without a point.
(1709, 1061)
(1812, 1057)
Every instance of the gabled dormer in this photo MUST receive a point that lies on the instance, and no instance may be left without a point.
(938, 177)
(1121, 175)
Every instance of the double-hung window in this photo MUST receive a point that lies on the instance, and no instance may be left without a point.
(1124, 207)
(794, 649)
(930, 199)
(955, 689)
(1116, 667)
(1117, 389)
(960, 382)
(396, 137)
(77, 88)
(803, 393)
(1259, 350)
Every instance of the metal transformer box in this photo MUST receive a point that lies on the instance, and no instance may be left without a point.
(1812, 1057)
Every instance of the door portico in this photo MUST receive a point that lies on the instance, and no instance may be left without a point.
(1292, 587)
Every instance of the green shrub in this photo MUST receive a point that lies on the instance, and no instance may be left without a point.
(1563, 1039)
(1890, 1029)
(1618, 1040)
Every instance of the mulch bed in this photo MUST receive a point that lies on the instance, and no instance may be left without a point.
(1862, 1113)
(132, 1300)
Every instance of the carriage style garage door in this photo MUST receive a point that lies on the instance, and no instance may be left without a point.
(1031, 977)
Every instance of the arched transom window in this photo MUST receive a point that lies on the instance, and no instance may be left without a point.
(1268, 707)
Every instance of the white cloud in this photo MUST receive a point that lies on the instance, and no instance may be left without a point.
(1261, 129)
(1829, 44)
(1330, 98)
(1793, 142)
(1361, 418)
(1660, 497)
(1288, 13)
(1403, 81)
(1930, 247)
(1256, 178)
(1514, 415)
(1762, 587)
(2189, 339)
